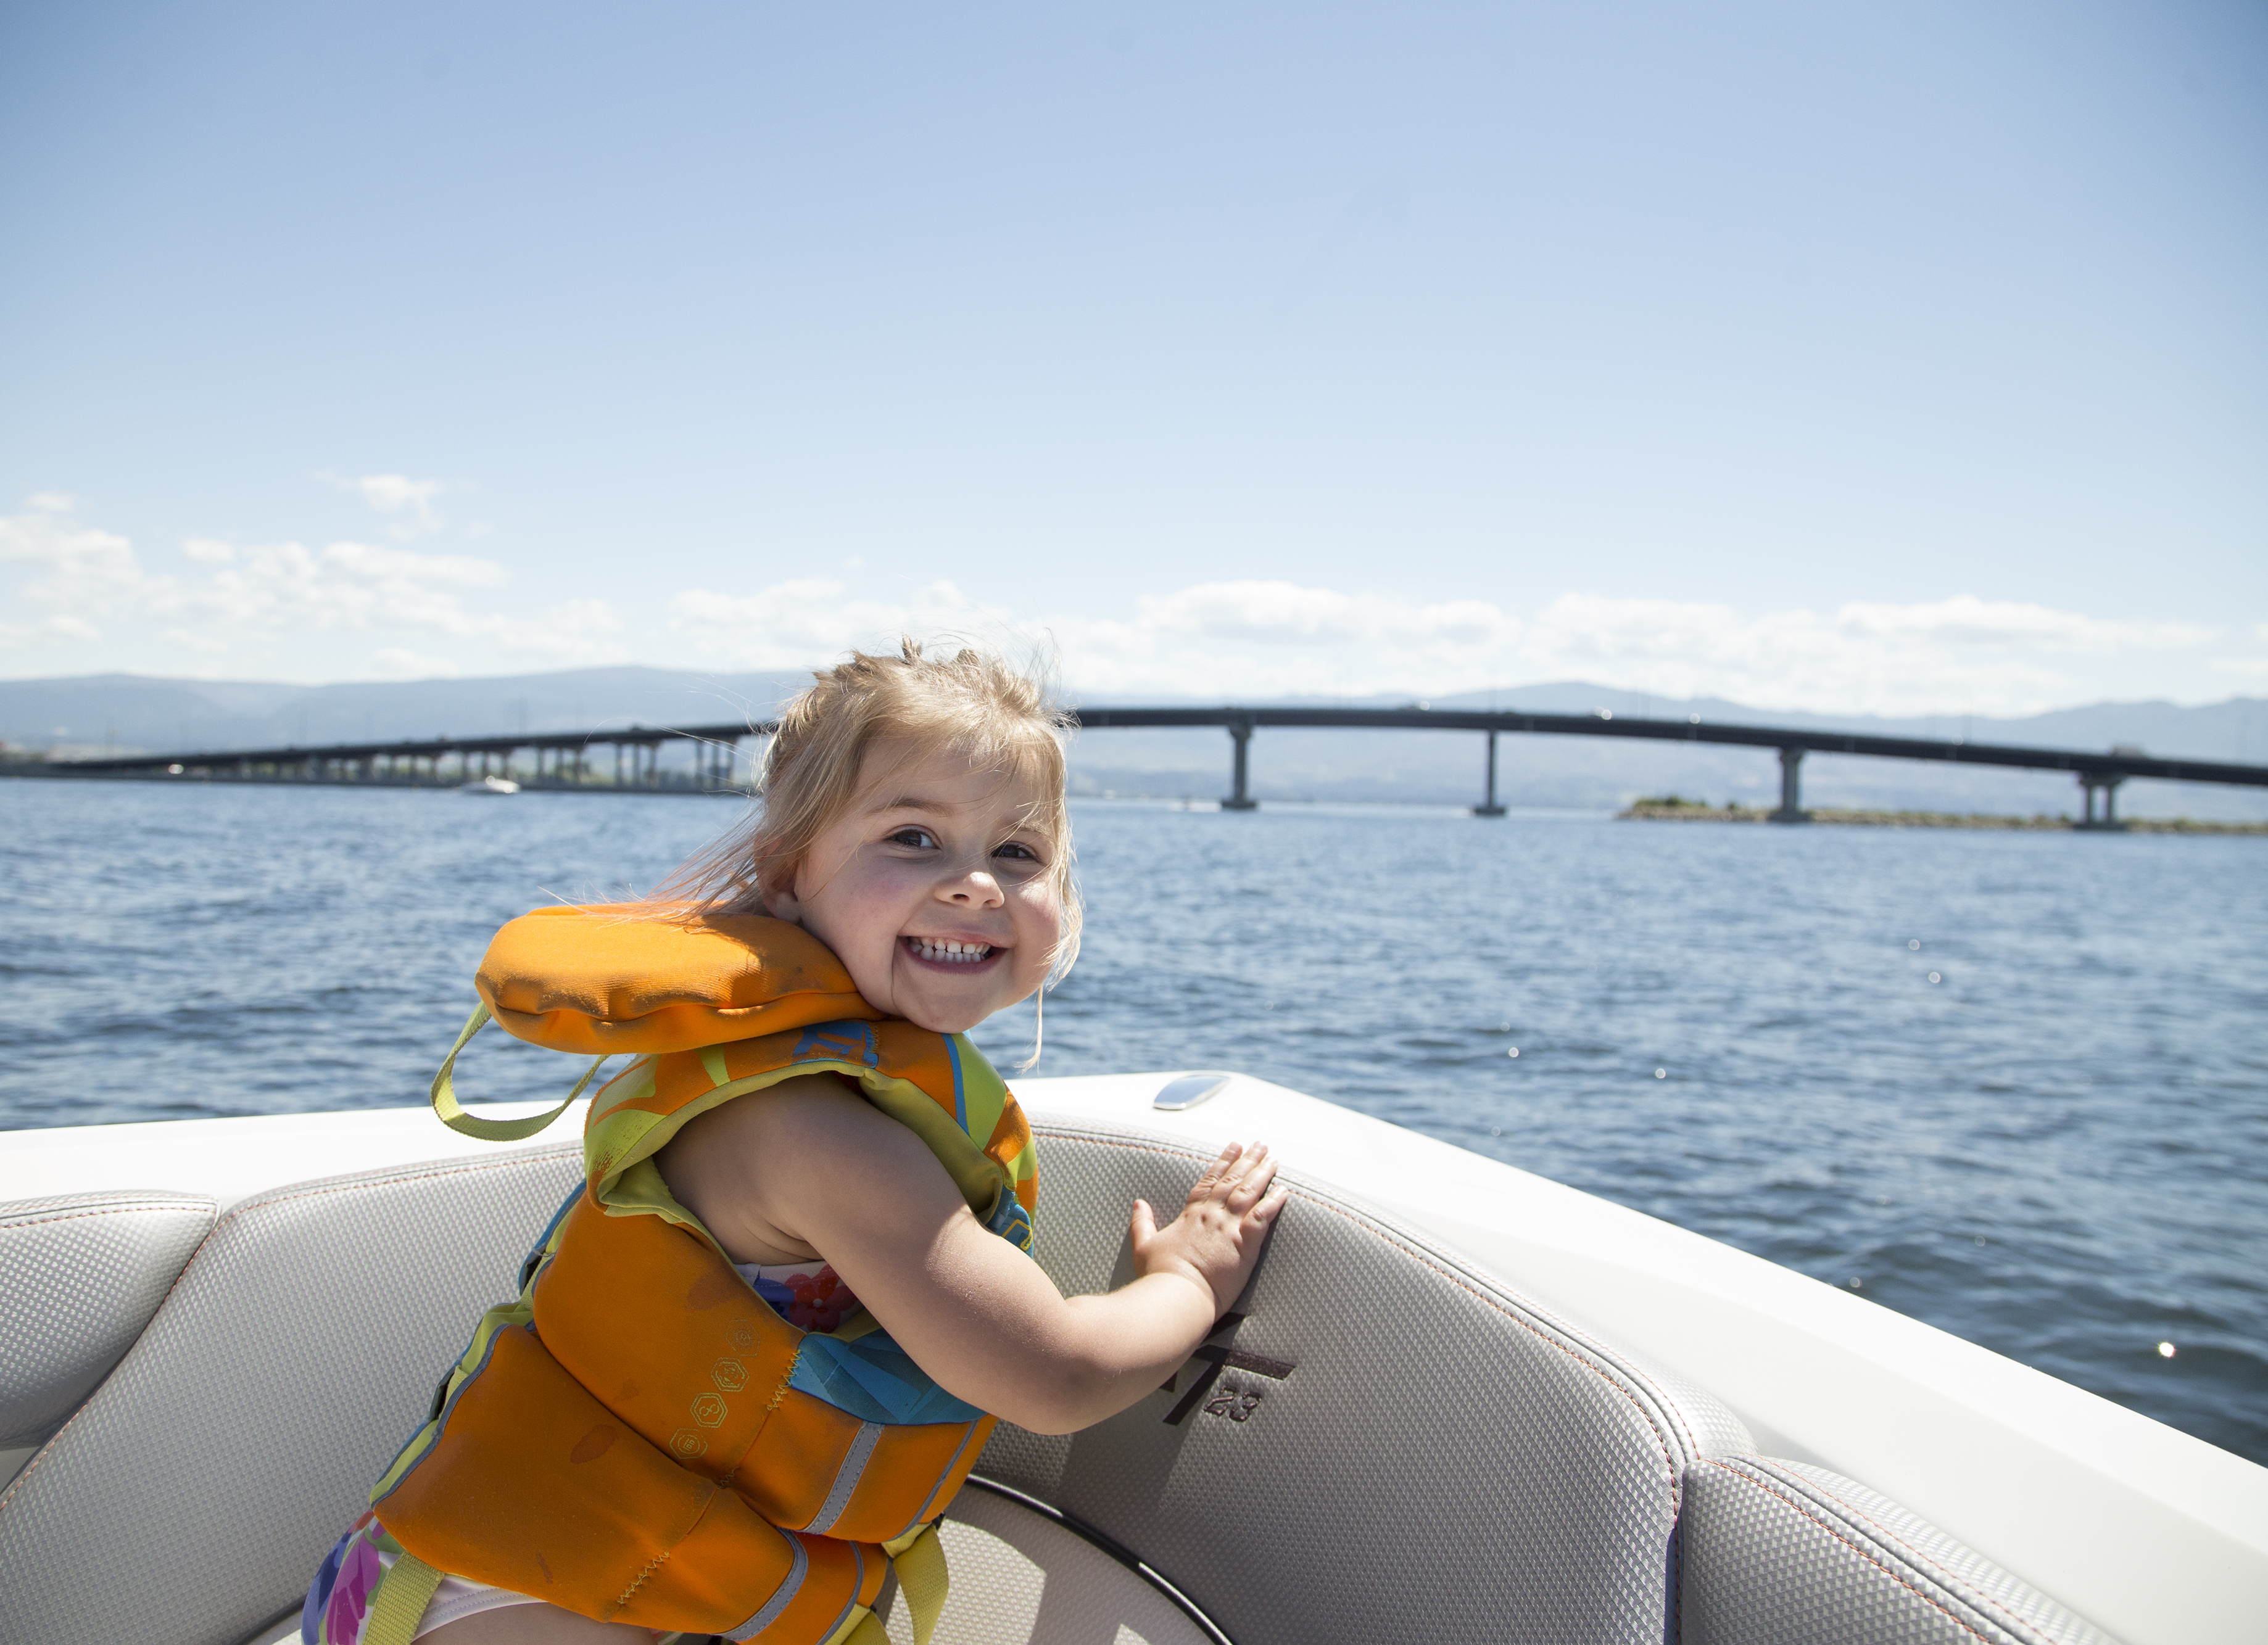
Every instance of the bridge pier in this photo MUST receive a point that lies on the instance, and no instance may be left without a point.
(2108, 823)
(1241, 800)
(1489, 807)
(1791, 788)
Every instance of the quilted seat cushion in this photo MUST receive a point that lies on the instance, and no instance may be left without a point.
(194, 1493)
(1387, 1445)
(1020, 1577)
(1782, 1553)
(80, 1274)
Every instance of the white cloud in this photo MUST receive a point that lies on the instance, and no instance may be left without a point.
(1260, 639)
(394, 662)
(255, 596)
(235, 605)
(408, 502)
(1273, 639)
(281, 588)
(83, 575)
(47, 634)
(198, 640)
(810, 620)
(1966, 619)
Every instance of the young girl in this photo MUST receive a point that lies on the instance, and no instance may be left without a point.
(761, 1347)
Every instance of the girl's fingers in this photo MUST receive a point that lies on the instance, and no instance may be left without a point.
(1248, 1161)
(1145, 1223)
(1222, 1168)
(1247, 1191)
(1237, 1179)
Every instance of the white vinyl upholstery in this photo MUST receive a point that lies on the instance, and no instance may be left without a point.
(194, 1494)
(1020, 1578)
(1391, 1447)
(80, 1274)
(1782, 1553)
(1380, 1443)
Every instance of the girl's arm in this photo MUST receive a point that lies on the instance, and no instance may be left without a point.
(811, 1170)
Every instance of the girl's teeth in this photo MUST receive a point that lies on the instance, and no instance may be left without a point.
(950, 952)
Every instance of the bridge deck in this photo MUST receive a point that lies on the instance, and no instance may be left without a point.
(351, 762)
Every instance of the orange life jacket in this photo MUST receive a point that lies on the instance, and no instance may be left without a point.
(640, 1437)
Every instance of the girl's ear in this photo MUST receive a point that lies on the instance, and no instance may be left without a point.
(777, 889)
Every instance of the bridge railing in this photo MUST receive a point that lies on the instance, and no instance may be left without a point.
(2098, 774)
(563, 759)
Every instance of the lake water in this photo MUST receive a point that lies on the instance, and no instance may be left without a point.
(2014, 1084)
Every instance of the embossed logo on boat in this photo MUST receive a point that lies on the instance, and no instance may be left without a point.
(1222, 1395)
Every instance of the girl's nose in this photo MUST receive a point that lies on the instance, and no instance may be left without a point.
(975, 886)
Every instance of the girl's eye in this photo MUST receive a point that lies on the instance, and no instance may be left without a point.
(1013, 849)
(914, 839)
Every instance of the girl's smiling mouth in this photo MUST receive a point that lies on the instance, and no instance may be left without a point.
(948, 951)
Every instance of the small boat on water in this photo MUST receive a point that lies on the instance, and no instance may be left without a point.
(1457, 1402)
(489, 785)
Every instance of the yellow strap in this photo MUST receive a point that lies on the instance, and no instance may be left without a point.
(862, 1627)
(400, 1603)
(923, 1579)
(452, 1113)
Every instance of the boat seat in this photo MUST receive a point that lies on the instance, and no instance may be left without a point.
(1022, 1577)
(1019, 1577)
(1783, 1554)
(1377, 1443)
(1385, 1445)
(80, 1274)
(206, 1477)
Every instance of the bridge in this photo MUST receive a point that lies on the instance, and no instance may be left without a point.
(2097, 774)
(564, 761)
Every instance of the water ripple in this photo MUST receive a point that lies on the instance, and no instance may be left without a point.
(2059, 1148)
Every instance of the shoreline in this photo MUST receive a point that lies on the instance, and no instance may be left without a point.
(1674, 810)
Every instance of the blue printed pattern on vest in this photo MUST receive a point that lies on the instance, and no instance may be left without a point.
(1010, 1220)
(873, 1379)
(843, 1042)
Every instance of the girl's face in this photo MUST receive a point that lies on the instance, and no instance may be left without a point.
(931, 889)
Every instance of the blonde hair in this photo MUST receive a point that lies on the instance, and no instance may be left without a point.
(967, 702)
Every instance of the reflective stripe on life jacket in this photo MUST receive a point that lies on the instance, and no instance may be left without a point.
(640, 1437)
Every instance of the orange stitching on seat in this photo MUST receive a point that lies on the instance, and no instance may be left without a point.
(1809, 1511)
(352, 1184)
(1979, 1598)
(40, 1455)
(346, 1187)
(113, 1210)
(1424, 1260)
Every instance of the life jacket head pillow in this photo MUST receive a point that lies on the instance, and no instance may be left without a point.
(614, 978)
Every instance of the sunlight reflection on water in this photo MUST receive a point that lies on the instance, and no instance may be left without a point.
(2015, 1084)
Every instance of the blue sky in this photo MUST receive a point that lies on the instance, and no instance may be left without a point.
(1905, 359)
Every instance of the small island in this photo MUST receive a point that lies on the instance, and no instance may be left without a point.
(1677, 808)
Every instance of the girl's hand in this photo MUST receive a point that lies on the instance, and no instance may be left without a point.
(1216, 1240)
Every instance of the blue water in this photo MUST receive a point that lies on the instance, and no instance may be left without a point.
(2045, 1128)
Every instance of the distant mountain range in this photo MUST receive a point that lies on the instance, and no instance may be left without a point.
(132, 712)
(148, 713)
